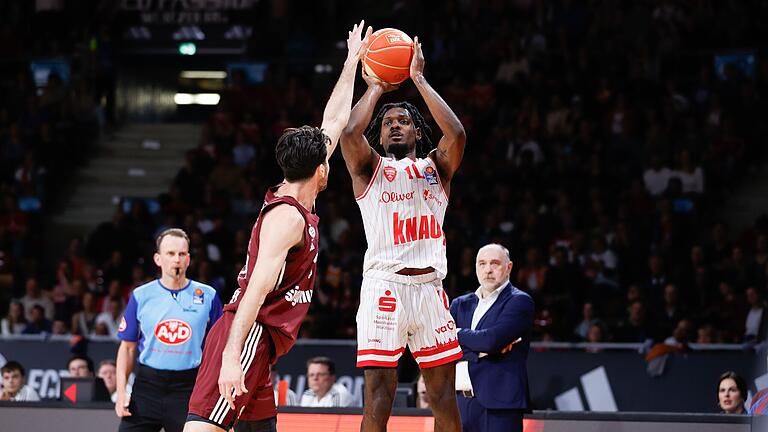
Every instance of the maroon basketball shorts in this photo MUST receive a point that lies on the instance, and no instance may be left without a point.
(207, 404)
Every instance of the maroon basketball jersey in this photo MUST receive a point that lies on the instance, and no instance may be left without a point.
(287, 304)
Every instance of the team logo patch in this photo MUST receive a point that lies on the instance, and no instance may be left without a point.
(173, 332)
(197, 297)
(430, 175)
(390, 173)
(312, 231)
(123, 324)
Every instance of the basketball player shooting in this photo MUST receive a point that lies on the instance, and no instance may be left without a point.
(261, 322)
(402, 197)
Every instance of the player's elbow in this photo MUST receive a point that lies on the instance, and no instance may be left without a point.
(459, 134)
(348, 132)
(335, 121)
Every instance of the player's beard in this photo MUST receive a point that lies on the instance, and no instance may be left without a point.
(398, 150)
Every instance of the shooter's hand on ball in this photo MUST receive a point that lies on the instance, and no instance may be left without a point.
(372, 81)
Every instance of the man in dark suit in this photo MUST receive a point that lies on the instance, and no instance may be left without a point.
(494, 325)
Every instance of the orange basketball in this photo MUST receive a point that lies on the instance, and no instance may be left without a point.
(388, 56)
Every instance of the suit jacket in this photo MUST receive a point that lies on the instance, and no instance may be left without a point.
(500, 381)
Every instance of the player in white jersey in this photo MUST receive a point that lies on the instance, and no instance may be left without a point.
(402, 198)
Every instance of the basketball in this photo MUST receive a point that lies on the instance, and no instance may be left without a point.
(388, 56)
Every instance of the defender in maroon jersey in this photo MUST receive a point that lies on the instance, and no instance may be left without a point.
(262, 320)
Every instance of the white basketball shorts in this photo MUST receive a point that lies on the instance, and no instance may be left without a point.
(396, 310)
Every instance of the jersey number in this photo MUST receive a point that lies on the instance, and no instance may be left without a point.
(414, 173)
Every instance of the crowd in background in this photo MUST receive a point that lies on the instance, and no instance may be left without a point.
(602, 146)
(49, 125)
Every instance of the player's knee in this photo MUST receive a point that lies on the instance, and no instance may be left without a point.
(384, 394)
(441, 392)
(443, 398)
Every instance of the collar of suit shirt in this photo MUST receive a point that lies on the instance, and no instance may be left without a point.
(493, 295)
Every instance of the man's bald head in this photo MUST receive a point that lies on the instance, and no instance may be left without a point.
(497, 248)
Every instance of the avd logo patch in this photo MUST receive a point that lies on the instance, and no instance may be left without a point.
(173, 332)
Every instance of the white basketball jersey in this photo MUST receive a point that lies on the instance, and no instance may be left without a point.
(403, 209)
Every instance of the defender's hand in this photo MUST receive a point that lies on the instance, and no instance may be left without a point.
(231, 380)
(356, 43)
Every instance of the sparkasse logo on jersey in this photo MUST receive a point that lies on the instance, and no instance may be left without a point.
(173, 332)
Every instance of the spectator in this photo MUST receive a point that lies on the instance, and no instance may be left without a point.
(14, 323)
(244, 151)
(705, 334)
(14, 388)
(681, 334)
(323, 390)
(587, 321)
(84, 322)
(728, 312)
(284, 396)
(564, 278)
(59, 327)
(226, 174)
(656, 177)
(532, 275)
(596, 334)
(691, 176)
(756, 320)
(38, 323)
(719, 248)
(671, 312)
(527, 148)
(422, 398)
(107, 370)
(114, 289)
(635, 328)
(80, 366)
(36, 297)
(731, 392)
(657, 278)
(757, 274)
(107, 323)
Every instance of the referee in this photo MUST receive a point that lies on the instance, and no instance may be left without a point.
(166, 321)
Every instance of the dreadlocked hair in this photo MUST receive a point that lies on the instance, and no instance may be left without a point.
(423, 145)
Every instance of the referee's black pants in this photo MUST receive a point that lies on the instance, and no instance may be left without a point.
(159, 400)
